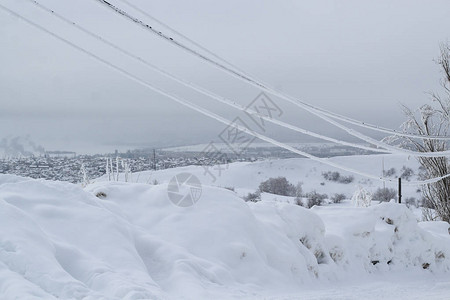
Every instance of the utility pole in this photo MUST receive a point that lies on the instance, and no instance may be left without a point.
(399, 190)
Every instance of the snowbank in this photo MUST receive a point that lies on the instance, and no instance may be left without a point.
(60, 241)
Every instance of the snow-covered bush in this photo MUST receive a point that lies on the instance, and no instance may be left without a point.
(346, 179)
(126, 170)
(406, 173)
(85, 178)
(361, 198)
(337, 198)
(315, 198)
(278, 186)
(230, 188)
(253, 197)
(331, 176)
(337, 177)
(299, 193)
(299, 189)
(390, 172)
(411, 201)
(113, 174)
(429, 205)
(384, 194)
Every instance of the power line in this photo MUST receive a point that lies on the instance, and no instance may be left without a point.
(203, 48)
(319, 112)
(390, 149)
(205, 111)
(198, 45)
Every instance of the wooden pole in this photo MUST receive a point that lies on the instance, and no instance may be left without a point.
(399, 190)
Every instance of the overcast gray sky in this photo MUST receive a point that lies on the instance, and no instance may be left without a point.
(357, 58)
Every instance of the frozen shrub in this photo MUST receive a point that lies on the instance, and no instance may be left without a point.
(426, 203)
(423, 174)
(299, 193)
(406, 173)
(337, 198)
(346, 179)
(299, 189)
(411, 201)
(315, 198)
(84, 174)
(336, 177)
(390, 172)
(253, 197)
(277, 186)
(361, 197)
(384, 194)
(230, 188)
(331, 176)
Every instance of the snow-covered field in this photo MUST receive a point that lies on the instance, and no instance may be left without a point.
(245, 177)
(60, 241)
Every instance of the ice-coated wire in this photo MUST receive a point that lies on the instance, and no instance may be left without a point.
(207, 112)
(199, 88)
(182, 35)
(319, 112)
(389, 149)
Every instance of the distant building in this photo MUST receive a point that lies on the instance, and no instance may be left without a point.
(60, 154)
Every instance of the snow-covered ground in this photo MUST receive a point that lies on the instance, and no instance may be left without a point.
(245, 177)
(60, 241)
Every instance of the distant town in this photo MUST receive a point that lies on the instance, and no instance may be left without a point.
(68, 166)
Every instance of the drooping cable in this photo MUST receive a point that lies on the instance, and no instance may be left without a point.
(196, 44)
(205, 111)
(389, 149)
(321, 113)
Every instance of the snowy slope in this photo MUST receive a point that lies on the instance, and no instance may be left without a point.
(58, 241)
(245, 177)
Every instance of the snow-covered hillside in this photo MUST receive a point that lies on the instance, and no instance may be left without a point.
(245, 177)
(60, 241)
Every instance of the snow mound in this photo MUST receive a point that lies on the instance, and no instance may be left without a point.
(58, 241)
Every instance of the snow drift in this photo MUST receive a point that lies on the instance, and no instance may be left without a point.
(60, 241)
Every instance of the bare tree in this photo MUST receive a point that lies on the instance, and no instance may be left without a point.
(433, 119)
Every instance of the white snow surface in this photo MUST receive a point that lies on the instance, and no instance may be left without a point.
(245, 177)
(60, 241)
